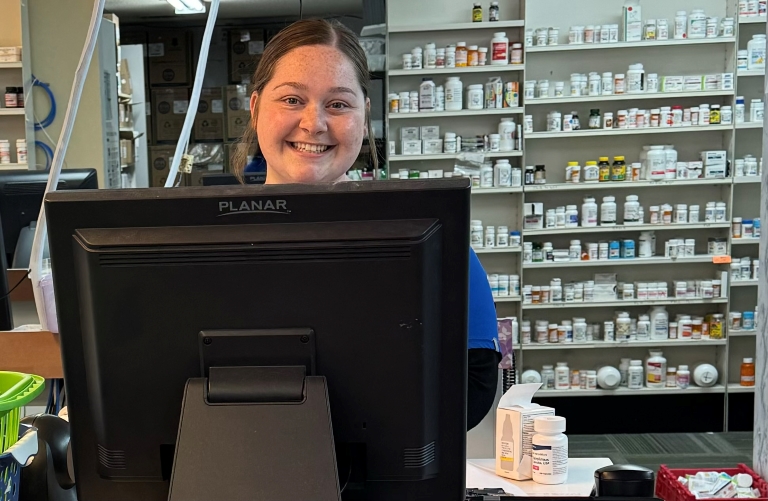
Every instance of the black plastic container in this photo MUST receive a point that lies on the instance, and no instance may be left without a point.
(624, 480)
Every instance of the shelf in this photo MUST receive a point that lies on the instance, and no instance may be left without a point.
(747, 179)
(461, 113)
(627, 97)
(737, 388)
(619, 262)
(506, 299)
(451, 156)
(741, 332)
(624, 344)
(630, 45)
(750, 73)
(750, 125)
(458, 71)
(15, 64)
(624, 132)
(744, 283)
(491, 191)
(499, 250)
(11, 111)
(629, 227)
(745, 241)
(623, 184)
(627, 392)
(751, 19)
(487, 25)
(605, 304)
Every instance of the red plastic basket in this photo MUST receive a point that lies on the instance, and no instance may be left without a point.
(669, 489)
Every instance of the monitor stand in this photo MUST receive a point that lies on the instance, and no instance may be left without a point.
(255, 432)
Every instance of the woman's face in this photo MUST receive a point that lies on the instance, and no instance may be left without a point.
(310, 117)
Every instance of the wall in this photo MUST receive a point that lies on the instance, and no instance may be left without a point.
(57, 34)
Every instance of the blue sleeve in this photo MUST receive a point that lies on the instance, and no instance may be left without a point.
(483, 332)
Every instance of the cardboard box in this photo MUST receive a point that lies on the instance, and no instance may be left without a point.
(209, 121)
(125, 78)
(514, 430)
(672, 84)
(409, 133)
(412, 147)
(169, 58)
(160, 163)
(430, 132)
(10, 51)
(10, 59)
(238, 110)
(533, 216)
(126, 152)
(198, 172)
(169, 108)
(632, 22)
(432, 146)
(245, 49)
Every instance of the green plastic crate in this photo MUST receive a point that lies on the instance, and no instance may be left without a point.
(16, 391)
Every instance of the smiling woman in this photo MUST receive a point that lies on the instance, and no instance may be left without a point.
(310, 111)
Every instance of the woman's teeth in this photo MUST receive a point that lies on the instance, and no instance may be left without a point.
(311, 148)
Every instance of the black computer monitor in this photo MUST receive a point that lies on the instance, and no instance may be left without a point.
(374, 273)
(21, 196)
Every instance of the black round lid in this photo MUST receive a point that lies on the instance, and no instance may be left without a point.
(623, 472)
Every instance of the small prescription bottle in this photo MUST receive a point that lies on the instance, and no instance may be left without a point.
(747, 373)
(472, 55)
(461, 54)
(549, 450)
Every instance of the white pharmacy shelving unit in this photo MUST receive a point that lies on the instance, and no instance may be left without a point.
(555, 149)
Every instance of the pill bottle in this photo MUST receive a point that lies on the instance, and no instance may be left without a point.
(549, 452)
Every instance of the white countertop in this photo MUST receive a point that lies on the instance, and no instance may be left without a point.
(481, 474)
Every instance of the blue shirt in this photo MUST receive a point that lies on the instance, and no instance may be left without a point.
(483, 331)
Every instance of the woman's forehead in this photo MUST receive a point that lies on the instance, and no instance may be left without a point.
(316, 68)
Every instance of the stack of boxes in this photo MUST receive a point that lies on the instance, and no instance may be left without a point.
(223, 114)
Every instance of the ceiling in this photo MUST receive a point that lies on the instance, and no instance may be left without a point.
(158, 10)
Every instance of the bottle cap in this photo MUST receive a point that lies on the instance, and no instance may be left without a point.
(549, 424)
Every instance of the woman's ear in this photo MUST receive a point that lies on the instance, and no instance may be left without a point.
(254, 105)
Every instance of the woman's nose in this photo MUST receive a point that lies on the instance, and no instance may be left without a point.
(313, 120)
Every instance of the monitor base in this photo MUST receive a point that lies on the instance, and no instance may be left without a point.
(255, 433)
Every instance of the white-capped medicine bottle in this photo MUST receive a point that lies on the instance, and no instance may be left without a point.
(683, 378)
(562, 376)
(656, 370)
(635, 375)
(756, 52)
(549, 450)
(476, 234)
(454, 91)
(507, 134)
(502, 173)
(608, 212)
(635, 79)
(499, 48)
(681, 25)
(589, 212)
(697, 24)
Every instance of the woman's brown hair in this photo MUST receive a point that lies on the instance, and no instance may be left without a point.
(300, 34)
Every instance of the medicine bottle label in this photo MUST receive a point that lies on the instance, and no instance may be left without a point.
(654, 373)
(549, 461)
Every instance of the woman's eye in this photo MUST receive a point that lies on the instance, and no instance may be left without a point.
(291, 100)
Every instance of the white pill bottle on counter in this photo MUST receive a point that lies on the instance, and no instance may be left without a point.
(549, 450)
